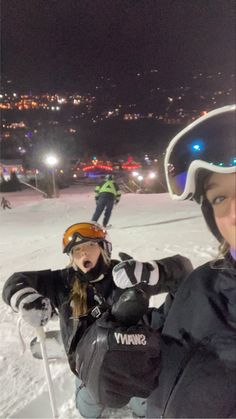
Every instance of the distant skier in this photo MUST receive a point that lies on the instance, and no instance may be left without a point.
(106, 195)
(5, 203)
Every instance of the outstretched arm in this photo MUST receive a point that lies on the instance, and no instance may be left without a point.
(31, 294)
(164, 275)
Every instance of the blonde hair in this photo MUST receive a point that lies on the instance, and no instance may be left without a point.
(222, 251)
(78, 298)
(223, 248)
(105, 256)
(78, 295)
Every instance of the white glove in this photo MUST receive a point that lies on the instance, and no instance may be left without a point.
(35, 309)
(130, 272)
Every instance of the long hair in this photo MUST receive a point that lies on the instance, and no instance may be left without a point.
(222, 251)
(223, 248)
(78, 295)
(78, 298)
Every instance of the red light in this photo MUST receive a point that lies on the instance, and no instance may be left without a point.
(99, 166)
(130, 164)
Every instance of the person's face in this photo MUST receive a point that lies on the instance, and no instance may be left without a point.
(86, 255)
(221, 193)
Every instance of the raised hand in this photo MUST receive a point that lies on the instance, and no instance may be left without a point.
(130, 272)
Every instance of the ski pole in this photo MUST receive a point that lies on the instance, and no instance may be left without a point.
(20, 334)
(41, 336)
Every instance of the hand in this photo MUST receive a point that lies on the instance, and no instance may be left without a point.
(131, 306)
(35, 309)
(130, 272)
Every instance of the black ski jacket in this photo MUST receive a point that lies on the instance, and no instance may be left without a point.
(56, 285)
(198, 373)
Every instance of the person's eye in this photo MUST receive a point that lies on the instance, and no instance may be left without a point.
(217, 200)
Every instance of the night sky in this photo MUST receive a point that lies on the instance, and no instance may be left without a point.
(55, 44)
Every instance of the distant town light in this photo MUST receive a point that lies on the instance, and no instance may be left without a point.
(135, 174)
(61, 100)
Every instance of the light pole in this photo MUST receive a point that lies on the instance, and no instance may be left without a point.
(51, 161)
(36, 179)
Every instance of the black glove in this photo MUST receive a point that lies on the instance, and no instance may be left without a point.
(131, 306)
(130, 272)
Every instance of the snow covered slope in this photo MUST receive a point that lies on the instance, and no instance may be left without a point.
(145, 226)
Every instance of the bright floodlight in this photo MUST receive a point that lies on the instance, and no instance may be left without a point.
(135, 174)
(140, 177)
(51, 160)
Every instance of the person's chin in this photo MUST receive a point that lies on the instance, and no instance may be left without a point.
(85, 270)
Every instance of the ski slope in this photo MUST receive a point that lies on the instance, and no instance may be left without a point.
(147, 227)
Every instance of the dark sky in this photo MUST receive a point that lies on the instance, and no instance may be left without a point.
(53, 43)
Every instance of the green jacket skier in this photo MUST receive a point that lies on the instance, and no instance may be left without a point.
(106, 195)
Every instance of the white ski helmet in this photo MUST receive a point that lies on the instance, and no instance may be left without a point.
(206, 145)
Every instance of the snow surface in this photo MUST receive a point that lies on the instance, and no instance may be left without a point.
(150, 226)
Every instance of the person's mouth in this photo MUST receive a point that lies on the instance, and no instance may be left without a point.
(87, 264)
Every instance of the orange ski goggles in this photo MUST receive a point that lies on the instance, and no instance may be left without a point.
(80, 233)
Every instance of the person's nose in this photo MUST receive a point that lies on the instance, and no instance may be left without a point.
(84, 251)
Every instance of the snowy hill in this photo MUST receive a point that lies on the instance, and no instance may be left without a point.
(145, 226)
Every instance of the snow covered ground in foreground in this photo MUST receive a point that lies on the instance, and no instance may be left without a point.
(145, 226)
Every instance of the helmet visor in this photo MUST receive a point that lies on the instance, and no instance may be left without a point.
(81, 232)
(208, 143)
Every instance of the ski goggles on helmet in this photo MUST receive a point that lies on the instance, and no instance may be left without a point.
(208, 143)
(81, 233)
